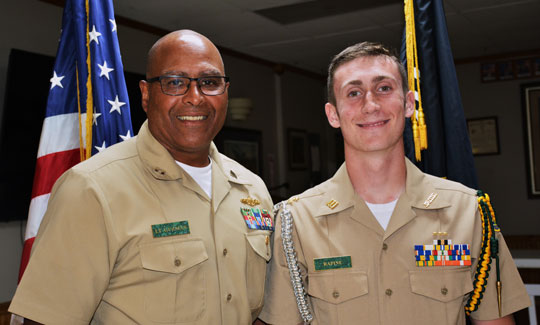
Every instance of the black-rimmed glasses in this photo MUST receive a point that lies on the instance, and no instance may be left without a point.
(179, 85)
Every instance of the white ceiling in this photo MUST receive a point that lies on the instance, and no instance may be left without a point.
(476, 27)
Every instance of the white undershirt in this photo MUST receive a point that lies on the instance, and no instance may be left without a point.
(382, 212)
(201, 175)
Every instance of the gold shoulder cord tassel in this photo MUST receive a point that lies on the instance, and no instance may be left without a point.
(418, 118)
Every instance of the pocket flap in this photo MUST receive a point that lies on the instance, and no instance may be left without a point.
(336, 288)
(173, 256)
(260, 243)
(441, 285)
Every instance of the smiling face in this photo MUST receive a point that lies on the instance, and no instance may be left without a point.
(185, 125)
(370, 105)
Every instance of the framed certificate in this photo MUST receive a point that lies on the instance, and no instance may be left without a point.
(531, 114)
(484, 135)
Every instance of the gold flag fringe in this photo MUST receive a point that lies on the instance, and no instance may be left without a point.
(418, 119)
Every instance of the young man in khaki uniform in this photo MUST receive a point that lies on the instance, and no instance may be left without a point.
(357, 235)
(151, 231)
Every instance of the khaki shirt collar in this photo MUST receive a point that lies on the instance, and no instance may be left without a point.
(420, 192)
(159, 162)
(339, 189)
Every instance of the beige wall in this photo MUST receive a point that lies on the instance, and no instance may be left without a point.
(503, 176)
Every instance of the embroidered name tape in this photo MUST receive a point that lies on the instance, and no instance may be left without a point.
(330, 263)
(442, 253)
(170, 229)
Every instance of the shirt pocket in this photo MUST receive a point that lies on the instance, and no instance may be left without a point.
(331, 291)
(258, 254)
(174, 280)
(444, 290)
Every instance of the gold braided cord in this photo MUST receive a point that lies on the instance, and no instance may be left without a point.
(418, 118)
(482, 270)
(489, 226)
(81, 143)
(89, 95)
(492, 212)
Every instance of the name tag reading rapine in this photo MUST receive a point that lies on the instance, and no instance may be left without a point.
(329, 263)
(170, 229)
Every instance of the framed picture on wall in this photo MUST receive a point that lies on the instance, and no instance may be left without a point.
(505, 70)
(536, 67)
(488, 72)
(531, 112)
(242, 145)
(523, 68)
(484, 135)
(298, 144)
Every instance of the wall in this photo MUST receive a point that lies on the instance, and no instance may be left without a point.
(303, 109)
(256, 82)
(503, 176)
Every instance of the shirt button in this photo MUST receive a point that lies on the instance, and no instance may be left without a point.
(388, 292)
(225, 251)
(384, 246)
(177, 261)
(444, 291)
(335, 294)
(229, 297)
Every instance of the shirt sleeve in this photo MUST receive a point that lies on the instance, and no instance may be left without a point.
(71, 259)
(514, 295)
(279, 301)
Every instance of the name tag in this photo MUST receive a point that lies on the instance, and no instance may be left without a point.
(329, 263)
(170, 229)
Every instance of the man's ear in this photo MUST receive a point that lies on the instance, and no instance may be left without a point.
(143, 85)
(332, 115)
(409, 104)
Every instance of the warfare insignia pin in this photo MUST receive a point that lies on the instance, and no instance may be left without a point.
(250, 201)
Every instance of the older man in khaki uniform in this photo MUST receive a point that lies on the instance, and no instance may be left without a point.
(160, 229)
(364, 240)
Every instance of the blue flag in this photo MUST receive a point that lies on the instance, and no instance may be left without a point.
(449, 151)
(88, 100)
(89, 46)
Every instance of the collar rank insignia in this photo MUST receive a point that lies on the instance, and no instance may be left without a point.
(257, 218)
(430, 199)
(442, 253)
(332, 204)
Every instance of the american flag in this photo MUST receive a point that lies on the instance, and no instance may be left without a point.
(87, 107)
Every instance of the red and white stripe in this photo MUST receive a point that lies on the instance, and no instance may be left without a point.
(58, 151)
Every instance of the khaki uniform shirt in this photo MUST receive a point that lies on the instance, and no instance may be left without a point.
(96, 261)
(383, 284)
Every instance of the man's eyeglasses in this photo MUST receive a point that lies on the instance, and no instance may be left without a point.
(178, 85)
